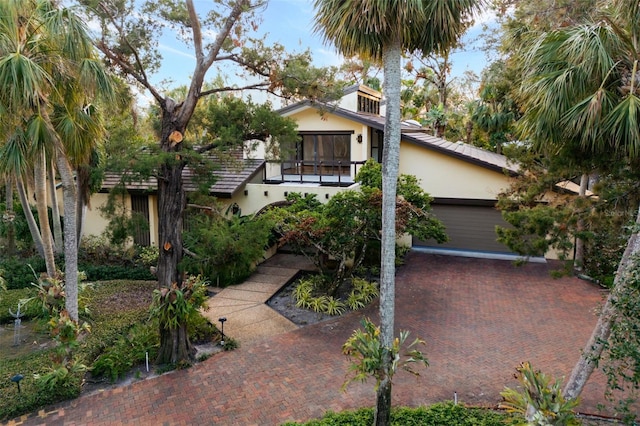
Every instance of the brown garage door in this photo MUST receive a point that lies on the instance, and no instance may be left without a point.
(468, 227)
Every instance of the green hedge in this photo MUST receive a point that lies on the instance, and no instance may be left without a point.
(441, 414)
(107, 272)
(9, 300)
(17, 272)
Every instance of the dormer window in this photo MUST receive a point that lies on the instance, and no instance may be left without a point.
(368, 104)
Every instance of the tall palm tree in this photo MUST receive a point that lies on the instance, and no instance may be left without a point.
(381, 30)
(49, 75)
(582, 102)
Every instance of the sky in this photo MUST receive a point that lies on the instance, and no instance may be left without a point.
(290, 23)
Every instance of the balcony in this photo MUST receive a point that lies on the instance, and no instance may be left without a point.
(323, 173)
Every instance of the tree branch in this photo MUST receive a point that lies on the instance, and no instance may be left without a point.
(137, 73)
(257, 86)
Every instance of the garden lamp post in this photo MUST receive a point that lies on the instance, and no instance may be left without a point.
(222, 321)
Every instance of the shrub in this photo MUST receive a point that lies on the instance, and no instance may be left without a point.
(127, 351)
(10, 300)
(148, 256)
(200, 329)
(334, 306)
(441, 414)
(226, 250)
(18, 273)
(107, 272)
(366, 353)
(539, 400)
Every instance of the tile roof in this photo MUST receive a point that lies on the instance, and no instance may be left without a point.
(465, 152)
(231, 178)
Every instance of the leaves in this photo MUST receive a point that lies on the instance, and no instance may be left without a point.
(367, 355)
(539, 400)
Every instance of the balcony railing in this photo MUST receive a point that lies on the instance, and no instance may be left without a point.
(330, 173)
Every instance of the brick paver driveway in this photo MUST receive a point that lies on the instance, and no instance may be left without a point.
(480, 319)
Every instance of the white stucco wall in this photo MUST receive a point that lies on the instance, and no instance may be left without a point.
(447, 177)
(261, 195)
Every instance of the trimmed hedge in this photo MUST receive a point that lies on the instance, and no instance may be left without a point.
(441, 414)
(17, 272)
(107, 272)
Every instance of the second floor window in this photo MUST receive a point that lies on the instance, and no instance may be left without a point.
(321, 153)
(368, 105)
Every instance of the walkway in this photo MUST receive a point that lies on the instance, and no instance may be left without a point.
(480, 318)
(249, 319)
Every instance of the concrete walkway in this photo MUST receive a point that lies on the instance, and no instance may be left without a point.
(249, 318)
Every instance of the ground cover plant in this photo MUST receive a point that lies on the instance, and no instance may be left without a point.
(121, 336)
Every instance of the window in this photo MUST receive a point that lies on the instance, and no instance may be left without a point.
(368, 105)
(320, 153)
(376, 145)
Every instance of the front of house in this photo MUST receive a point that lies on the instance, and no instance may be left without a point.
(334, 142)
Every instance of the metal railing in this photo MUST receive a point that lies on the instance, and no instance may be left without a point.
(323, 172)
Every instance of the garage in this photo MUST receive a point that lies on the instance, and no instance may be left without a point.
(469, 227)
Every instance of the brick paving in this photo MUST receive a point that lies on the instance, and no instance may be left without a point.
(480, 318)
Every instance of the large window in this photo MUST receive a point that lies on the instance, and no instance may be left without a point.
(320, 154)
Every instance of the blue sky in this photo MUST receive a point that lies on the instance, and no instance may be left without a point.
(290, 23)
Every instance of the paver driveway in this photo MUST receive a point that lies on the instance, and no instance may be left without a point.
(480, 319)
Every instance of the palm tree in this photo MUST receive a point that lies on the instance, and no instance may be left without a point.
(582, 102)
(49, 75)
(381, 30)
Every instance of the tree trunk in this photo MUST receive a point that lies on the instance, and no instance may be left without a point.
(70, 241)
(10, 217)
(81, 205)
(31, 221)
(55, 211)
(382, 415)
(40, 189)
(593, 350)
(390, 165)
(83, 191)
(171, 204)
(175, 345)
(578, 260)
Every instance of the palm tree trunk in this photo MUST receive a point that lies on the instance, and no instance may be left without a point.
(383, 403)
(578, 260)
(390, 165)
(10, 217)
(55, 210)
(81, 205)
(70, 240)
(593, 350)
(31, 221)
(40, 188)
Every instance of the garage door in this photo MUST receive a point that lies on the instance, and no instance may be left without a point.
(468, 227)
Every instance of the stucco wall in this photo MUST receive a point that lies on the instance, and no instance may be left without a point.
(447, 177)
(311, 120)
(95, 223)
(261, 195)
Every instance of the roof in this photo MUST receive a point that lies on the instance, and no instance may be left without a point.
(416, 134)
(231, 177)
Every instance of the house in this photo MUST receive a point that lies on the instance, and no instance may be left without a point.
(334, 142)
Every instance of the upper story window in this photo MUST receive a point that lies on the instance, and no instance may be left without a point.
(320, 153)
(368, 104)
